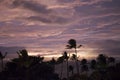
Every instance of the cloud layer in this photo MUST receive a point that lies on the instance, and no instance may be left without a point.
(46, 25)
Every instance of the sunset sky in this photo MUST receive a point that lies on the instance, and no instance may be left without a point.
(44, 26)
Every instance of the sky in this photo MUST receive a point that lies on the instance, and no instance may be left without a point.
(43, 27)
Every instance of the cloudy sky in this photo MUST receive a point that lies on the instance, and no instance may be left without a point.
(44, 26)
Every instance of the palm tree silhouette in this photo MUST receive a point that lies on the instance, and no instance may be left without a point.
(27, 61)
(74, 58)
(72, 44)
(24, 58)
(66, 57)
(53, 62)
(2, 58)
(60, 60)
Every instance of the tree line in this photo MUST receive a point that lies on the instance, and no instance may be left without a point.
(27, 67)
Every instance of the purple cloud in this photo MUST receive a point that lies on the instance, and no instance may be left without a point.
(48, 25)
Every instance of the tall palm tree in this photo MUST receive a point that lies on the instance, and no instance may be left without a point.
(53, 62)
(72, 44)
(66, 57)
(2, 58)
(74, 58)
(60, 60)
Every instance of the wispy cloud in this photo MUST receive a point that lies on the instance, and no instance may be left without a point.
(50, 23)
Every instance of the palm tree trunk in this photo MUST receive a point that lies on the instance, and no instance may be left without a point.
(67, 70)
(77, 64)
(61, 70)
(2, 64)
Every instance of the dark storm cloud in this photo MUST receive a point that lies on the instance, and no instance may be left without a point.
(31, 6)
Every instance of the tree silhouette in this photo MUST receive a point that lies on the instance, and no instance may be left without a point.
(60, 60)
(53, 62)
(26, 61)
(73, 57)
(102, 65)
(66, 57)
(72, 44)
(2, 58)
(102, 61)
(84, 66)
(111, 60)
(83, 61)
(93, 64)
(24, 58)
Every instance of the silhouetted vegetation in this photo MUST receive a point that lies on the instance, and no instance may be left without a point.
(27, 67)
(1, 58)
(72, 44)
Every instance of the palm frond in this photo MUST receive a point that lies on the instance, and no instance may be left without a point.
(79, 46)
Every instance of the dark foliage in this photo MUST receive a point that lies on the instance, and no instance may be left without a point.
(27, 67)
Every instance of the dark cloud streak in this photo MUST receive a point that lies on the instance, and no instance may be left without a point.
(39, 8)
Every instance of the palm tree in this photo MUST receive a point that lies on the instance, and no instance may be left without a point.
(60, 60)
(72, 44)
(74, 58)
(27, 61)
(53, 62)
(2, 58)
(66, 57)
(24, 58)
